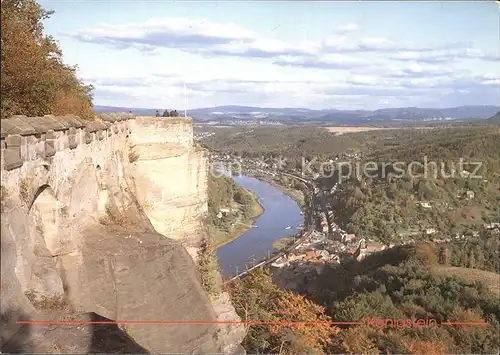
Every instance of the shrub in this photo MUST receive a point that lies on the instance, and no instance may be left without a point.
(133, 156)
(24, 189)
(208, 268)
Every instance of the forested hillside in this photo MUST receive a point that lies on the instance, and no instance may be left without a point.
(287, 141)
(34, 79)
(404, 282)
(388, 205)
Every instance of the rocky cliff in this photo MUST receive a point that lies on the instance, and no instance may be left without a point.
(175, 174)
(94, 218)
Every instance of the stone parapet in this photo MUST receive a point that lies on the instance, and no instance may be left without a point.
(29, 138)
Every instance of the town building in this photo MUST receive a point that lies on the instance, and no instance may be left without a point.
(424, 204)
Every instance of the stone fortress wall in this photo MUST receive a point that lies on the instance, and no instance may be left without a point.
(91, 212)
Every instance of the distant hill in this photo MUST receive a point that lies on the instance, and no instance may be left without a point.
(288, 115)
(137, 111)
(496, 118)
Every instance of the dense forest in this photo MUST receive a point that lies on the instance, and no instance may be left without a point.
(399, 283)
(387, 206)
(481, 252)
(34, 79)
(286, 141)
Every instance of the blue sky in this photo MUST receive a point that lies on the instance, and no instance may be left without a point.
(345, 55)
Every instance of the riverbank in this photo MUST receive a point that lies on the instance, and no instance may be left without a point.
(280, 216)
(239, 223)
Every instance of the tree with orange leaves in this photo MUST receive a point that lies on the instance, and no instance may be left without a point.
(34, 80)
(424, 347)
(279, 321)
(303, 329)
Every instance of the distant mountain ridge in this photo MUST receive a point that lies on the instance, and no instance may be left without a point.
(254, 115)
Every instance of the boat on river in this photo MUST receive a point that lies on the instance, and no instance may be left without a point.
(289, 227)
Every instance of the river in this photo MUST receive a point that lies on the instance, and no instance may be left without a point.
(280, 211)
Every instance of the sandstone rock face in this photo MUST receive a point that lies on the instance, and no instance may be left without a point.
(171, 177)
(171, 183)
(74, 339)
(229, 334)
(77, 228)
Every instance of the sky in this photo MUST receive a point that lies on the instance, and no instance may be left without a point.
(319, 55)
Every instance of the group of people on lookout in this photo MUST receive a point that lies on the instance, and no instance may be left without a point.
(167, 113)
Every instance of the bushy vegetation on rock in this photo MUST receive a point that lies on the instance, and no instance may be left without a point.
(208, 268)
(35, 81)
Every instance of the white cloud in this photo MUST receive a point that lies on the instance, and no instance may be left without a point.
(228, 64)
(347, 27)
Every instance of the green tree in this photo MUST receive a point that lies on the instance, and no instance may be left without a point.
(444, 256)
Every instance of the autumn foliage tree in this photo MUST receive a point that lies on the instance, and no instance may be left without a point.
(302, 327)
(34, 79)
(280, 322)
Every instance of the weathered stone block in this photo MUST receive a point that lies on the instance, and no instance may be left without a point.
(32, 139)
(40, 149)
(89, 137)
(110, 132)
(64, 143)
(25, 148)
(14, 140)
(15, 125)
(72, 141)
(50, 135)
(50, 148)
(96, 125)
(2, 144)
(100, 135)
(12, 158)
(115, 129)
(72, 130)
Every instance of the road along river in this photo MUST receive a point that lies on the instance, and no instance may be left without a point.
(253, 246)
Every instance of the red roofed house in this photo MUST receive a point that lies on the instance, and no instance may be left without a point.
(311, 254)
